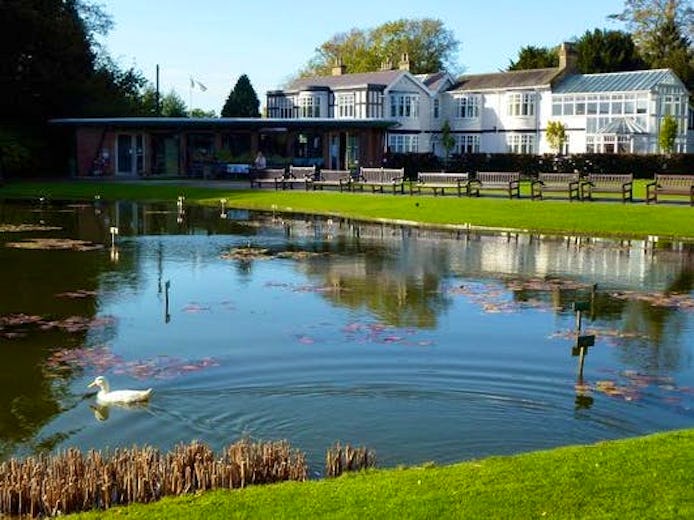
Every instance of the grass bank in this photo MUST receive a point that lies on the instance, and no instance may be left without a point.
(645, 477)
(610, 219)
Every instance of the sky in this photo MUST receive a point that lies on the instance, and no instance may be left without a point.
(214, 42)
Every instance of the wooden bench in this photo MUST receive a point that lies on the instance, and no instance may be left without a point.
(341, 179)
(504, 181)
(439, 182)
(666, 184)
(380, 178)
(299, 176)
(267, 177)
(555, 182)
(608, 183)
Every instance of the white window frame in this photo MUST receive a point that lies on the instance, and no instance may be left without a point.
(309, 106)
(467, 107)
(521, 104)
(403, 143)
(520, 143)
(404, 106)
(467, 143)
(345, 102)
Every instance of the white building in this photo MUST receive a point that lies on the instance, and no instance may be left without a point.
(504, 112)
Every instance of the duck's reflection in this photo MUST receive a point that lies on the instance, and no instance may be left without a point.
(103, 411)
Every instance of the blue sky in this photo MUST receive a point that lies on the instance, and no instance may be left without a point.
(215, 41)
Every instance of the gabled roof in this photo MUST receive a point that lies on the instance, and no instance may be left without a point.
(507, 80)
(434, 81)
(637, 80)
(382, 77)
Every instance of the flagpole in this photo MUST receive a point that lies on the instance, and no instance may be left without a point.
(190, 96)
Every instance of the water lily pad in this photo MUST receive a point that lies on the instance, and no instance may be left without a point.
(25, 228)
(247, 253)
(55, 243)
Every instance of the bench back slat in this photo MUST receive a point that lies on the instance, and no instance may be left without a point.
(441, 177)
(497, 177)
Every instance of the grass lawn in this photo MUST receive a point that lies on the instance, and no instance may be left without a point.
(645, 477)
(554, 216)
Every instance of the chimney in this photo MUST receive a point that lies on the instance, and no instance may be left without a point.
(386, 65)
(339, 67)
(404, 62)
(568, 57)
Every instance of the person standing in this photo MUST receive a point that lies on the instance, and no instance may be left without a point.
(260, 163)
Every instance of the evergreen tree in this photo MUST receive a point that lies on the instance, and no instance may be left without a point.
(607, 51)
(669, 49)
(531, 57)
(242, 100)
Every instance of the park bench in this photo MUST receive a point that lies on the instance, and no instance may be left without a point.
(555, 182)
(667, 184)
(608, 183)
(380, 178)
(341, 179)
(504, 181)
(267, 177)
(438, 182)
(299, 176)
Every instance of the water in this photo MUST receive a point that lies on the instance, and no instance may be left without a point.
(423, 345)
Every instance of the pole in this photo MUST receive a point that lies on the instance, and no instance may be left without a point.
(156, 97)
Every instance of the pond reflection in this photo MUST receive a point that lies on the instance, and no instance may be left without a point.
(423, 344)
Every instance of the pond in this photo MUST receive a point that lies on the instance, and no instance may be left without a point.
(422, 344)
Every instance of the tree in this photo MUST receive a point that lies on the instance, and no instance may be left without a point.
(242, 100)
(668, 134)
(556, 135)
(172, 105)
(669, 48)
(531, 57)
(607, 51)
(645, 18)
(199, 112)
(447, 139)
(428, 44)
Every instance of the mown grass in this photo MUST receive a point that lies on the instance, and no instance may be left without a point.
(673, 219)
(645, 477)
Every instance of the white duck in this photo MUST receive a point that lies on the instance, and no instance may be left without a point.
(106, 396)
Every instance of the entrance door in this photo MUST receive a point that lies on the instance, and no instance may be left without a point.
(130, 154)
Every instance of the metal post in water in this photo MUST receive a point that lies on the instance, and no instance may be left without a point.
(114, 231)
(167, 316)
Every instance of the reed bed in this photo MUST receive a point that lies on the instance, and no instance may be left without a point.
(339, 459)
(71, 481)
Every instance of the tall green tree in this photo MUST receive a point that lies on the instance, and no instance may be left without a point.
(670, 49)
(607, 51)
(242, 100)
(46, 58)
(447, 139)
(531, 57)
(172, 105)
(668, 134)
(429, 45)
(645, 18)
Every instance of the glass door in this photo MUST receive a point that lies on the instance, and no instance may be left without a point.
(130, 154)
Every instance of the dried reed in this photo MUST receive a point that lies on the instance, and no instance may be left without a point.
(339, 459)
(70, 481)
